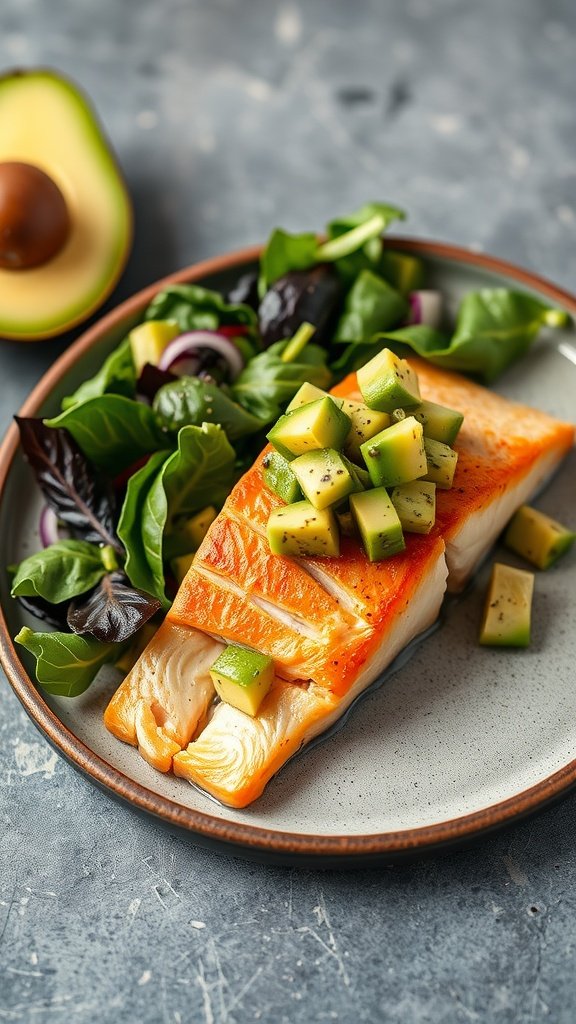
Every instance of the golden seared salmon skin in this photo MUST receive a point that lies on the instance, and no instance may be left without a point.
(332, 625)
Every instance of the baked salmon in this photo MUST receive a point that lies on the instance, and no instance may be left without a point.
(332, 625)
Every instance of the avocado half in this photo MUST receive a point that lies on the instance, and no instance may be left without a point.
(46, 122)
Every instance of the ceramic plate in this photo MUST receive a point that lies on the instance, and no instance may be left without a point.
(458, 740)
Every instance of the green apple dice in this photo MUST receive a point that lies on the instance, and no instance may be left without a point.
(396, 455)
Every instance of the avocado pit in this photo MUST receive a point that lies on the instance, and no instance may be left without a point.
(34, 217)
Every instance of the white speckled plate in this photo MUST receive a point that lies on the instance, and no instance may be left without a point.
(458, 740)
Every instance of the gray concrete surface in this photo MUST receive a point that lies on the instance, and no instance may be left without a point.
(228, 118)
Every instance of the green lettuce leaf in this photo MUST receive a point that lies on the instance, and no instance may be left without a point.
(267, 384)
(190, 400)
(112, 431)
(195, 308)
(116, 375)
(66, 663)
(60, 572)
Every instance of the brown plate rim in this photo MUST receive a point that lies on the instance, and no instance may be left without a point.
(240, 836)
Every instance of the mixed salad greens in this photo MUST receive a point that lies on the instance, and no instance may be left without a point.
(181, 408)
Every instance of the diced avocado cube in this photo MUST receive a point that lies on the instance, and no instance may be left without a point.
(319, 424)
(388, 382)
(415, 504)
(302, 531)
(346, 524)
(506, 621)
(310, 393)
(189, 535)
(242, 678)
(148, 341)
(279, 478)
(441, 461)
(404, 272)
(324, 477)
(439, 422)
(536, 537)
(365, 424)
(378, 523)
(396, 455)
(181, 565)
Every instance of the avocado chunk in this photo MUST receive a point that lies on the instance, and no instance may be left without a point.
(310, 393)
(388, 382)
(242, 678)
(378, 523)
(320, 424)
(507, 613)
(396, 455)
(148, 341)
(536, 537)
(46, 123)
(439, 422)
(303, 531)
(189, 535)
(415, 504)
(441, 461)
(180, 566)
(279, 477)
(365, 424)
(324, 477)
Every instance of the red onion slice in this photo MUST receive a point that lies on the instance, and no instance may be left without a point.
(186, 344)
(425, 308)
(48, 527)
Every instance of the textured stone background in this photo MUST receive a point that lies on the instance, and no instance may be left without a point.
(228, 118)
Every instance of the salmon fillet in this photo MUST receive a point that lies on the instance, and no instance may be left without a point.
(332, 625)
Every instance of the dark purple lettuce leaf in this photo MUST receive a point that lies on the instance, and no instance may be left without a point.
(69, 482)
(300, 295)
(151, 379)
(53, 614)
(114, 611)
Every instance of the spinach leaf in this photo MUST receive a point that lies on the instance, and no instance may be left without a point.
(190, 400)
(65, 663)
(198, 309)
(267, 384)
(371, 305)
(130, 524)
(68, 482)
(199, 473)
(494, 327)
(113, 612)
(117, 375)
(59, 572)
(112, 431)
(285, 252)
